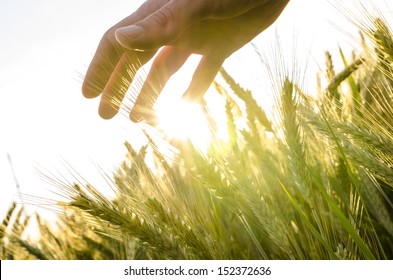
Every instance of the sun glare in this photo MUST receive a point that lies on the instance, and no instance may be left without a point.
(182, 120)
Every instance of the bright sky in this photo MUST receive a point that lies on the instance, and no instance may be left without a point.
(46, 45)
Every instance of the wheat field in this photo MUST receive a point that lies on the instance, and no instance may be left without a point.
(313, 182)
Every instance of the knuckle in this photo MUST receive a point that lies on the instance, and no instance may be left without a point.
(109, 42)
(164, 17)
(109, 37)
(109, 34)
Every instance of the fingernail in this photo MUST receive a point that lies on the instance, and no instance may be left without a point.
(128, 32)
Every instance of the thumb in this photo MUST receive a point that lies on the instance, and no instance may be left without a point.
(160, 27)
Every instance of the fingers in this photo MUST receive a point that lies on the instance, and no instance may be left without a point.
(167, 62)
(101, 67)
(161, 27)
(203, 77)
(109, 51)
(119, 82)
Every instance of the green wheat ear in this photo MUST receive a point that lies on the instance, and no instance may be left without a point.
(384, 41)
(313, 182)
(253, 110)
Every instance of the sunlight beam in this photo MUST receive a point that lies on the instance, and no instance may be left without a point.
(182, 120)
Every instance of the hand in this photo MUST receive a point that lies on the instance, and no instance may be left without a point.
(212, 28)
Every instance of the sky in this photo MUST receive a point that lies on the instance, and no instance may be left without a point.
(45, 48)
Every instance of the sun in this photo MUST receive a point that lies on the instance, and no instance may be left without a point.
(183, 120)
